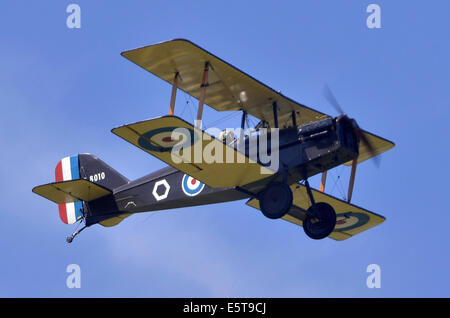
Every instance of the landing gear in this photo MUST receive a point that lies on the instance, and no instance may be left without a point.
(320, 218)
(320, 221)
(276, 200)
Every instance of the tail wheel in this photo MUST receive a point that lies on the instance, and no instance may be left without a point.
(276, 200)
(320, 221)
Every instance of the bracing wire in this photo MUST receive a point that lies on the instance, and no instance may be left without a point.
(187, 105)
(190, 103)
(337, 184)
(225, 118)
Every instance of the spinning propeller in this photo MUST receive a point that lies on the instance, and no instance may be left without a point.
(351, 124)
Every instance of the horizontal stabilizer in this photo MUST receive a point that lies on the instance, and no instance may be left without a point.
(71, 191)
(350, 219)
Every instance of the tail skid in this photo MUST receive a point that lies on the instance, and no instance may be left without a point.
(69, 239)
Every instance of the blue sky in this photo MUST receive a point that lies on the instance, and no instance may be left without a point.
(62, 90)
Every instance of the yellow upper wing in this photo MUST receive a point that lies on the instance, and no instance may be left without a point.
(351, 219)
(230, 169)
(229, 88)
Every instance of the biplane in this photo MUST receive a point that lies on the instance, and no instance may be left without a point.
(310, 142)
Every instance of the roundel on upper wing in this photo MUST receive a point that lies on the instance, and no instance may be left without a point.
(191, 186)
(162, 139)
(350, 220)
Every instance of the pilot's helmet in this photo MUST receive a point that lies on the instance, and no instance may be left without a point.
(226, 136)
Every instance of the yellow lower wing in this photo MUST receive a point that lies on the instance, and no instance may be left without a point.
(351, 219)
(193, 151)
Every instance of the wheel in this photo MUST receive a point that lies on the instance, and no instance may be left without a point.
(275, 200)
(320, 221)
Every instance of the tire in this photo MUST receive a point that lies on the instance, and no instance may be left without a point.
(320, 221)
(276, 200)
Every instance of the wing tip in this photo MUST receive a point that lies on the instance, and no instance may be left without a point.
(124, 53)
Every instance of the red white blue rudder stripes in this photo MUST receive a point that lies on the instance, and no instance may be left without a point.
(68, 169)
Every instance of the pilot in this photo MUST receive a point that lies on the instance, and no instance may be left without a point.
(226, 136)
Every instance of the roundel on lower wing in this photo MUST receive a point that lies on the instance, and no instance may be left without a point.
(161, 140)
(350, 220)
(191, 186)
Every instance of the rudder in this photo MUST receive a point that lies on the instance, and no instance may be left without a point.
(68, 169)
(89, 167)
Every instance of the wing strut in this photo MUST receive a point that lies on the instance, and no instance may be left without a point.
(174, 94)
(309, 192)
(352, 180)
(323, 181)
(275, 114)
(243, 119)
(294, 119)
(201, 101)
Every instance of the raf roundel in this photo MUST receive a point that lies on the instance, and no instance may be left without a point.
(160, 139)
(350, 220)
(191, 187)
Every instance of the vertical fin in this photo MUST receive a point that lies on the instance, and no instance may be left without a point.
(68, 169)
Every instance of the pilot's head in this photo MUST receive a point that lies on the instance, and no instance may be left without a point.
(226, 136)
